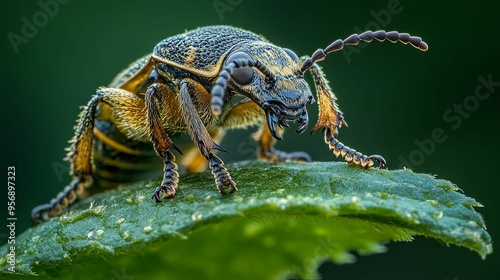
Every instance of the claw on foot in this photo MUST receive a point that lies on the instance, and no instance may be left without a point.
(381, 161)
(224, 184)
(221, 175)
(63, 200)
(350, 155)
(163, 192)
(170, 179)
(41, 213)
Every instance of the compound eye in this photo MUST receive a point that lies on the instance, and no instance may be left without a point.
(291, 54)
(243, 75)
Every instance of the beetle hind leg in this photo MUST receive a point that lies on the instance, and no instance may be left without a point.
(79, 157)
(63, 200)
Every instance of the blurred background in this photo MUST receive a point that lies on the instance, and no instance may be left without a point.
(395, 99)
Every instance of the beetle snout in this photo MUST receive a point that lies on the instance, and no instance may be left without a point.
(278, 114)
(291, 103)
(291, 94)
(287, 110)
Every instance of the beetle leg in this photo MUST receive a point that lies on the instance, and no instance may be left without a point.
(63, 200)
(193, 160)
(330, 119)
(191, 116)
(80, 152)
(329, 114)
(199, 133)
(351, 155)
(221, 175)
(170, 179)
(155, 99)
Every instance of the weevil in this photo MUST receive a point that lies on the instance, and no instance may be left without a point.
(202, 82)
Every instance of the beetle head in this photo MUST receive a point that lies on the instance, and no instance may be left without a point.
(270, 76)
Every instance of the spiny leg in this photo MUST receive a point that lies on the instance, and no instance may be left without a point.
(193, 160)
(80, 166)
(330, 119)
(329, 114)
(199, 133)
(221, 175)
(351, 155)
(80, 152)
(155, 98)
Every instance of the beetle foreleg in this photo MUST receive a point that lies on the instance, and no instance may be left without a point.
(330, 119)
(155, 99)
(351, 155)
(329, 114)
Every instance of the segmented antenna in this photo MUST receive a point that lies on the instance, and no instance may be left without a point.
(219, 89)
(367, 36)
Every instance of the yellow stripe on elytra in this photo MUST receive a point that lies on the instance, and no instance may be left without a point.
(128, 165)
(117, 146)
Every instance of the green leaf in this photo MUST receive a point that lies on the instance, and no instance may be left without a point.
(285, 219)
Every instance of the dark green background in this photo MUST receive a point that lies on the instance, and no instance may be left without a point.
(391, 95)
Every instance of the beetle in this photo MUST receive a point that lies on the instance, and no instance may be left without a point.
(202, 82)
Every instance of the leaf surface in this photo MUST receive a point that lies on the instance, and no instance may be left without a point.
(285, 219)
